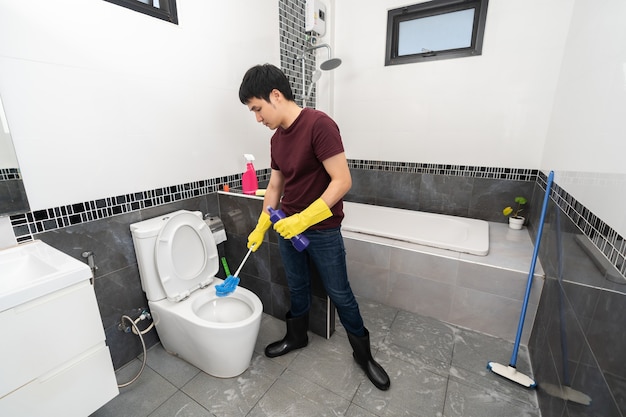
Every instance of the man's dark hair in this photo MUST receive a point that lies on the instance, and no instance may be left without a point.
(260, 80)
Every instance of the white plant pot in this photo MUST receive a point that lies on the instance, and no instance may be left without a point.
(516, 222)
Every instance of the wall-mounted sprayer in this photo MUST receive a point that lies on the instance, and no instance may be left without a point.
(328, 65)
(317, 74)
(90, 256)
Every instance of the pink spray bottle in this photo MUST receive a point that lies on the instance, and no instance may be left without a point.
(249, 181)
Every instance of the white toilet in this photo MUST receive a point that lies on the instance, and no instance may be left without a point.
(178, 260)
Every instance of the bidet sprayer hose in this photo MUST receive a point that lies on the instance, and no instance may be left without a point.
(145, 353)
(144, 315)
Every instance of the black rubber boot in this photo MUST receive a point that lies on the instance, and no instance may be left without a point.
(295, 338)
(363, 356)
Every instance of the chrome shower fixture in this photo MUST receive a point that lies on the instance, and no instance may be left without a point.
(317, 74)
(328, 65)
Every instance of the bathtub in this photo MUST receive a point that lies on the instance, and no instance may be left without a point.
(453, 233)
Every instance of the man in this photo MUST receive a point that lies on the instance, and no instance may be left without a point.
(310, 172)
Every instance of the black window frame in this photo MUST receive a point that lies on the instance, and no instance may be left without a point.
(167, 10)
(428, 9)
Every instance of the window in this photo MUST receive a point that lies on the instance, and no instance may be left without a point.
(162, 9)
(439, 29)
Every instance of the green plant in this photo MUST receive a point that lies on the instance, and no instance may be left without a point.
(509, 211)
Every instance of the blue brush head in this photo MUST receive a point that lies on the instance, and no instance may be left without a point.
(228, 286)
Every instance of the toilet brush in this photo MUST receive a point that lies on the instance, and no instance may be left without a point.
(230, 283)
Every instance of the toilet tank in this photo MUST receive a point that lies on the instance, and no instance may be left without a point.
(145, 239)
(145, 234)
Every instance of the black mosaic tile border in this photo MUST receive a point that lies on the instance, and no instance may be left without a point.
(10, 174)
(27, 224)
(610, 243)
(607, 240)
(515, 174)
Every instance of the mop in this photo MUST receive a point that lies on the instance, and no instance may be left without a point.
(563, 391)
(510, 372)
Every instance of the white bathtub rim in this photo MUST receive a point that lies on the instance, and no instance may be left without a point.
(394, 243)
(495, 258)
(479, 244)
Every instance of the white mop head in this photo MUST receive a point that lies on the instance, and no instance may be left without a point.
(511, 373)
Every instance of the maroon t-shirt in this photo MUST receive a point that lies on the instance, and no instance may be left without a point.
(298, 152)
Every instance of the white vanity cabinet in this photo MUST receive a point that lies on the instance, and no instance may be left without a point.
(53, 356)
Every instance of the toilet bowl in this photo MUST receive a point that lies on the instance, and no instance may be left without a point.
(178, 259)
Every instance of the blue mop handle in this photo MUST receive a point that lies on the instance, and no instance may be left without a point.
(531, 273)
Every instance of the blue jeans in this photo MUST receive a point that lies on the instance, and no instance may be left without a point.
(328, 253)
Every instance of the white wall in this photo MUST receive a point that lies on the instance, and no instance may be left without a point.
(104, 101)
(91, 118)
(462, 111)
(585, 142)
(552, 79)
(7, 153)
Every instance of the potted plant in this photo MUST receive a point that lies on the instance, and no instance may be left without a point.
(515, 220)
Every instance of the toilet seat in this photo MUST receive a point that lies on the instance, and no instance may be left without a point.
(186, 255)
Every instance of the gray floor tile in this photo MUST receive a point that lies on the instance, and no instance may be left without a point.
(489, 381)
(472, 352)
(180, 405)
(424, 335)
(378, 319)
(469, 401)
(413, 392)
(329, 364)
(234, 396)
(356, 411)
(175, 370)
(294, 395)
(142, 397)
(417, 359)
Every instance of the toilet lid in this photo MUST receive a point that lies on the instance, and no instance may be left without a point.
(186, 255)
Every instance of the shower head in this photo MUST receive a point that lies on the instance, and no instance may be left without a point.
(330, 64)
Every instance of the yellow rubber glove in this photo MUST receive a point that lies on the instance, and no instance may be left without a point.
(299, 222)
(256, 237)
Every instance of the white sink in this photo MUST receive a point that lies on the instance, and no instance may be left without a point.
(34, 269)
